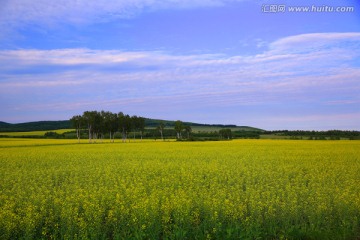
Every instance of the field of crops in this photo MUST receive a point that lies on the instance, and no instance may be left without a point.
(241, 189)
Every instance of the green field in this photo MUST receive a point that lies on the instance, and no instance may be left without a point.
(195, 129)
(33, 133)
(241, 189)
(216, 129)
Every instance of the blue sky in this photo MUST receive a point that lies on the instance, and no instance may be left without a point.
(206, 61)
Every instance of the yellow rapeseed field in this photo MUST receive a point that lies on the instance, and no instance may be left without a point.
(241, 189)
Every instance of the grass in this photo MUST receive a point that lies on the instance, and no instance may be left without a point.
(33, 133)
(60, 131)
(216, 129)
(241, 189)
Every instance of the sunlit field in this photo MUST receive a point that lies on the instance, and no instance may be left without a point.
(240, 189)
(34, 133)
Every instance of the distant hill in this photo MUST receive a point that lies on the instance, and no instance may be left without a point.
(155, 122)
(66, 124)
(34, 126)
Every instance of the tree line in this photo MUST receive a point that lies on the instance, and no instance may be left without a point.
(318, 135)
(100, 123)
(104, 122)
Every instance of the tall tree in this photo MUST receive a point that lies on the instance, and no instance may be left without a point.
(125, 125)
(113, 125)
(141, 126)
(161, 128)
(109, 124)
(77, 122)
(188, 130)
(105, 124)
(128, 126)
(122, 125)
(97, 126)
(134, 124)
(179, 126)
(90, 119)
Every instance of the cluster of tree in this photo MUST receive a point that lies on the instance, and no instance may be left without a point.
(96, 125)
(246, 134)
(100, 123)
(179, 128)
(225, 133)
(318, 135)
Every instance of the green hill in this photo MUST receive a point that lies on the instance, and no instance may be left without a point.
(34, 126)
(150, 123)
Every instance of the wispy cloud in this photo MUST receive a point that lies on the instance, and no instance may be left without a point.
(314, 41)
(80, 78)
(274, 67)
(17, 13)
(66, 57)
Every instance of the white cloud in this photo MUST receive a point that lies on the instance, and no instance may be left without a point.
(313, 41)
(284, 53)
(83, 77)
(66, 57)
(45, 12)
(16, 15)
(275, 66)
